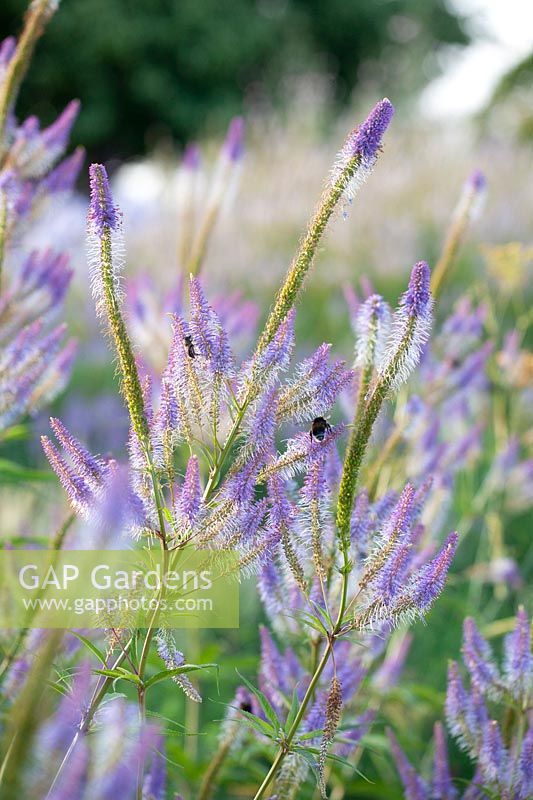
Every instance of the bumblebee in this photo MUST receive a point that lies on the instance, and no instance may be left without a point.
(319, 428)
(191, 352)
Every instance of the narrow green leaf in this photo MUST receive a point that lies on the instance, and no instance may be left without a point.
(90, 646)
(293, 710)
(11, 472)
(263, 702)
(183, 670)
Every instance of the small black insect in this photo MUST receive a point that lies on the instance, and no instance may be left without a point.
(191, 352)
(245, 706)
(319, 428)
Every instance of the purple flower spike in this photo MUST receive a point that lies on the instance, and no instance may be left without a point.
(493, 756)
(478, 657)
(234, 144)
(415, 788)
(457, 701)
(64, 176)
(7, 49)
(154, 787)
(55, 137)
(430, 581)
(191, 157)
(210, 339)
(518, 662)
(190, 497)
(102, 210)
(417, 298)
(477, 181)
(366, 139)
(89, 467)
(442, 788)
(524, 783)
(78, 490)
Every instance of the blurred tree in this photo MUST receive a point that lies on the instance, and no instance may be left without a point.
(510, 104)
(143, 68)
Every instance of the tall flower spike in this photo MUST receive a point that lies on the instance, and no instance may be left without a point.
(17, 61)
(410, 329)
(371, 325)
(190, 496)
(467, 207)
(105, 239)
(429, 583)
(173, 658)
(363, 144)
(357, 156)
(478, 658)
(154, 786)
(415, 788)
(234, 144)
(493, 756)
(518, 661)
(457, 702)
(524, 782)
(209, 338)
(442, 786)
(331, 723)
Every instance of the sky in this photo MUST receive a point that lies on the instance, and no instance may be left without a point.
(502, 33)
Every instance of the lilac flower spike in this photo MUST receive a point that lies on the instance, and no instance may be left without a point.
(188, 503)
(518, 661)
(234, 144)
(415, 788)
(191, 157)
(429, 583)
(102, 210)
(417, 298)
(366, 139)
(442, 786)
(493, 756)
(154, 787)
(477, 181)
(478, 658)
(362, 145)
(410, 329)
(371, 324)
(524, 784)
(209, 338)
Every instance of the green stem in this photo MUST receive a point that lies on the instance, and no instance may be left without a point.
(37, 16)
(9, 658)
(208, 781)
(285, 747)
(303, 260)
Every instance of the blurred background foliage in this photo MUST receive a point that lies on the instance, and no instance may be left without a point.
(147, 70)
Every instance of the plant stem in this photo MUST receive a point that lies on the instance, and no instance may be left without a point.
(284, 748)
(37, 16)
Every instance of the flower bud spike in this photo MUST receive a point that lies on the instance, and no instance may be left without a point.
(331, 723)
(356, 158)
(17, 62)
(415, 787)
(467, 207)
(105, 237)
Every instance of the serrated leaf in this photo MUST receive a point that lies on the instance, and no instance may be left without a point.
(293, 711)
(90, 646)
(263, 702)
(119, 674)
(258, 724)
(171, 673)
